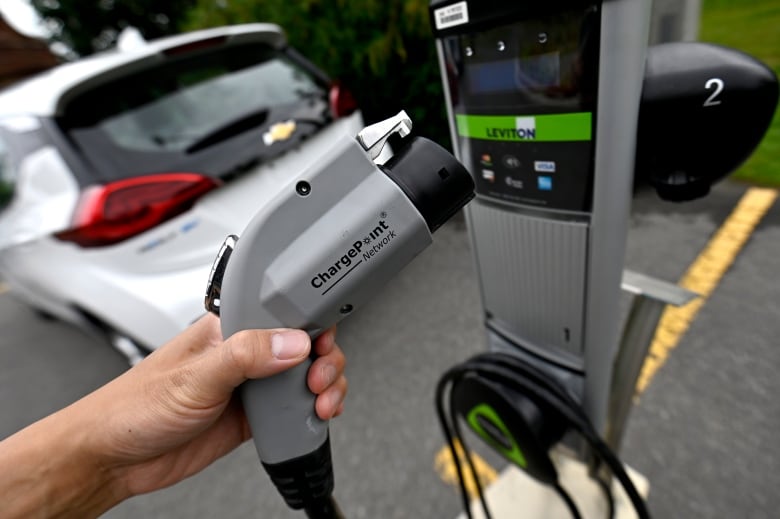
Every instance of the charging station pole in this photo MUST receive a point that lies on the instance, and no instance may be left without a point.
(556, 108)
(543, 100)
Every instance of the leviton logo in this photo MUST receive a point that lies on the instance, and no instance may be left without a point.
(524, 130)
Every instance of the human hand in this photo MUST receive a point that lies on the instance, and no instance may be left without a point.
(175, 412)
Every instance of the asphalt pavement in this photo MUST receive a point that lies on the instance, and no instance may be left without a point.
(702, 433)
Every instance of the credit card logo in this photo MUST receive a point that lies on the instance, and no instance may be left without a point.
(544, 166)
(514, 183)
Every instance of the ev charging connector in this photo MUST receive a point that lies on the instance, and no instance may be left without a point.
(328, 243)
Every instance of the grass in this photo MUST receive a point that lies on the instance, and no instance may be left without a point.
(752, 26)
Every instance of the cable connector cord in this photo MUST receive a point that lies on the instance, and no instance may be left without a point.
(306, 481)
(520, 376)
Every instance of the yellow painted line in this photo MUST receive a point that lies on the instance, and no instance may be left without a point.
(704, 275)
(4, 288)
(445, 467)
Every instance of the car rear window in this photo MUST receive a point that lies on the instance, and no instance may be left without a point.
(185, 113)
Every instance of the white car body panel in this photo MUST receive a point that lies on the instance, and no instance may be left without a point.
(151, 286)
(46, 200)
(157, 280)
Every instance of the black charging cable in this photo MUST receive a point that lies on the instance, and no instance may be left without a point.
(532, 381)
(571, 411)
(528, 380)
(538, 377)
(323, 508)
(605, 488)
(455, 424)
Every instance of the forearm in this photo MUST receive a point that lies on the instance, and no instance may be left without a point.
(160, 422)
(46, 472)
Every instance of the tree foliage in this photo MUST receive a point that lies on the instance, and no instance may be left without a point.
(86, 26)
(383, 51)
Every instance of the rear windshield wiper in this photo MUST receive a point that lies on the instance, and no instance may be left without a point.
(229, 129)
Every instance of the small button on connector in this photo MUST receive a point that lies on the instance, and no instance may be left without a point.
(214, 287)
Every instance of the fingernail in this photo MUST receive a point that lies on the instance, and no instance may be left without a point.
(289, 344)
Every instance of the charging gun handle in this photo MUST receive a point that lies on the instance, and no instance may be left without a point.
(297, 459)
(291, 440)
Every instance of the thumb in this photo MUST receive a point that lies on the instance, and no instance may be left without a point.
(249, 354)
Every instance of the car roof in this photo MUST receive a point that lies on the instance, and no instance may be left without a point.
(46, 93)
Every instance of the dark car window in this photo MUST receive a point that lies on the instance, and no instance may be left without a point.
(172, 116)
(7, 175)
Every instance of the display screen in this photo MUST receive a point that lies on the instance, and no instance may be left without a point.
(529, 73)
(524, 104)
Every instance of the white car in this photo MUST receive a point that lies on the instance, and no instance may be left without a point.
(121, 174)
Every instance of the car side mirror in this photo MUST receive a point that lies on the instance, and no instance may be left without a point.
(704, 110)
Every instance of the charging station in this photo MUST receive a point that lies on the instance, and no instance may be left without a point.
(557, 108)
(543, 101)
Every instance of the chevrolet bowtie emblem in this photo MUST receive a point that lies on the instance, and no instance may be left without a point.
(279, 132)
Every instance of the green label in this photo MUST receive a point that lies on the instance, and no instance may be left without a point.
(506, 444)
(532, 128)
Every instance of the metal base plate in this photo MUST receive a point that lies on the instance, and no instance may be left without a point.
(515, 494)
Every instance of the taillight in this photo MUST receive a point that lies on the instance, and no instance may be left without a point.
(342, 102)
(120, 210)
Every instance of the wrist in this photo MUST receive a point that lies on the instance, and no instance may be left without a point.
(51, 472)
